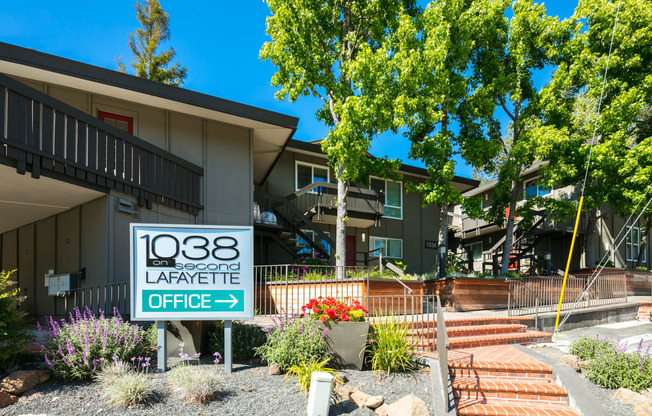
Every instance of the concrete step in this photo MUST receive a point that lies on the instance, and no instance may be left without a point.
(498, 407)
(478, 388)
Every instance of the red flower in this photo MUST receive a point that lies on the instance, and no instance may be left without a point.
(315, 309)
(331, 313)
(323, 318)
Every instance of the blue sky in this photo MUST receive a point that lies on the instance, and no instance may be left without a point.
(218, 41)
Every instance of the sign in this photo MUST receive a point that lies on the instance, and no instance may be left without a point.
(431, 244)
(189, 272)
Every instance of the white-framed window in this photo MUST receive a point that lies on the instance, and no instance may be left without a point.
(532, 188)
(308, 173)
(633, 244)
(391, 195)
(392, 247)
(475, 249)
(315, 238)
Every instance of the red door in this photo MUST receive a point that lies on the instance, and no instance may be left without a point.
(350, 250)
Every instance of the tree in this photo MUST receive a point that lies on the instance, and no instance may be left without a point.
(315, 45)
(502, 82)
(422, 70)
(144, 44)
(620, 171)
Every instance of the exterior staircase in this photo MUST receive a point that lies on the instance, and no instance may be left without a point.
(480, 332)
(503, 381)
(490, 377)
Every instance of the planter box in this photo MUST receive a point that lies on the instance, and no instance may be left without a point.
(347, 341)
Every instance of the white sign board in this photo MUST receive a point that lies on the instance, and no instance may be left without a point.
(191, 272)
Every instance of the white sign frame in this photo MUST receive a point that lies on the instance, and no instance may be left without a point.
(140, 252)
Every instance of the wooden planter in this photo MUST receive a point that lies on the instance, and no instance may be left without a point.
(462, 294)
(347, 341)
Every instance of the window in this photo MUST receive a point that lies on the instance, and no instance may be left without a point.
(633, 244)
(532, 189)
(125, 123)
(315, 238)
(307, 174)
(475, 249)
(391, 195)
(392, 247)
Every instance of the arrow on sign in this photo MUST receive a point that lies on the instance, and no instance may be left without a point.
(233, 301)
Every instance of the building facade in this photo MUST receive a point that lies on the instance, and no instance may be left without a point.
(482, 242)
(85, 151)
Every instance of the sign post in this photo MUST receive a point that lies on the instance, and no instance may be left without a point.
(188, 273)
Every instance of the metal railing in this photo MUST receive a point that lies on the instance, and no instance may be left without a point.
(534, 295)
(99, 298)
(284, 289)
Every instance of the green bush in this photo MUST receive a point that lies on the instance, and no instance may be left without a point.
(302, 372)
(13, 336)
(77, 349)
(616, 368)
(244, 339)
(391, 347)
(587, 348)
(291, 340)
(194, 384)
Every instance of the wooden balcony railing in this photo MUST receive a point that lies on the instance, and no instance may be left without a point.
(46, 136)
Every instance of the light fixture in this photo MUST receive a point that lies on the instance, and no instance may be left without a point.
(364, 237)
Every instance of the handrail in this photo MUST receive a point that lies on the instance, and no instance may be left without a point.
(328, 185)
(299, 214)
(442, 354)
(395, 269)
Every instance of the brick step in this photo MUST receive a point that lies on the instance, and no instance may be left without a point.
(526, 320)
(498, 407)
(472, 330)
(509, 390)
(529, 337)
(499, 370)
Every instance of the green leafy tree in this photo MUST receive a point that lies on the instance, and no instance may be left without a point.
(149, 62)
(316, 46)
(423, 71)
(502, 83)
(621, 161)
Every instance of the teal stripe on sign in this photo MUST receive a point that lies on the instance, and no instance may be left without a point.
(193, 300)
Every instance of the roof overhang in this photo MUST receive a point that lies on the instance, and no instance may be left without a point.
(271, 130)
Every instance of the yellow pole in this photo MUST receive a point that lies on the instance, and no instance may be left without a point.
(570, 254)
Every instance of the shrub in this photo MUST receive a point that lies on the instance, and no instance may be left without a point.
(194, 384)
(129, 389)
(302, 372)
(292, 339)
(587, 348)
(615, 368)
(245, 338)
(13, 336)
(76, 349)
(391, 347)
(331, 309)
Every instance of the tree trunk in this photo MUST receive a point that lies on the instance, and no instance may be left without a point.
(591, 238)
(509, 230)
(340, 237)
(643, 245)
(442, 238)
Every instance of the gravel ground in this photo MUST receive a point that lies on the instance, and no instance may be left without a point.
(249, 390)
(607, 398)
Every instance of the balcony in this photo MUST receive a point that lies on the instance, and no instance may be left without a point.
(318, 201)
(49, 138)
